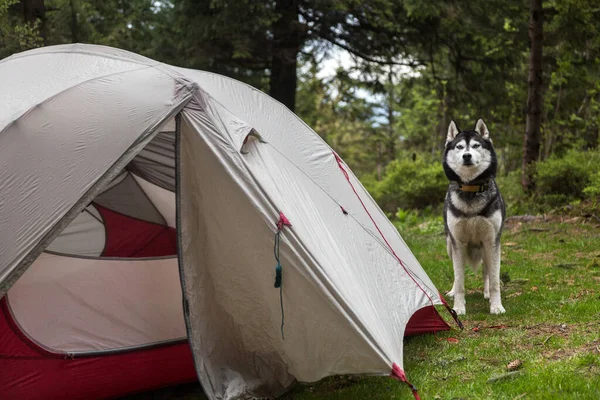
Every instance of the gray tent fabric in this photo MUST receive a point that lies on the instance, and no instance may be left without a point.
(128, 198)
(156, 162)
(240, 164)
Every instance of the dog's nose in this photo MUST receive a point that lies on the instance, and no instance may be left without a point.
(467, 157)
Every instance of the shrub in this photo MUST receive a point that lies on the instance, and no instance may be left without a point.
(421, 184)
(562, 180)
(424, 221)
(409, 184)
(593, 189)
(517, 201)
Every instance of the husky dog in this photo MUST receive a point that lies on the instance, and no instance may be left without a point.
(473, 212)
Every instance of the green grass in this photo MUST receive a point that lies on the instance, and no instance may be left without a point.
(551, 293)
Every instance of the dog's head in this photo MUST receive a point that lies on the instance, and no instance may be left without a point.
(469, 154)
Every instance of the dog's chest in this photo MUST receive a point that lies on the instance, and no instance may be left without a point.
(475, 230)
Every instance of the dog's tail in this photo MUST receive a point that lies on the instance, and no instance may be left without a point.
(474, 256)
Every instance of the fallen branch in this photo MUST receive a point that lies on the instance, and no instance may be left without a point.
(479, 328)
(565, 265)
(538, 229)
(502, 377)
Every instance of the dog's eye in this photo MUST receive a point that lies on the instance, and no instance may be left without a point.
(476, 146)
(460, 147)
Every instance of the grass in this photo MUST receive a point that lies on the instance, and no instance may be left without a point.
(551, 275)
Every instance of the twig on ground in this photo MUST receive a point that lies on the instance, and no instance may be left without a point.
(501, 377)
(565, 265)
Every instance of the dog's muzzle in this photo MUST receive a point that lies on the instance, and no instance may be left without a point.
(467, 159)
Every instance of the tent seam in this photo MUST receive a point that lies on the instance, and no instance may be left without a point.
(181, 268)
(93, 216)
(104, 258)
(148, 198)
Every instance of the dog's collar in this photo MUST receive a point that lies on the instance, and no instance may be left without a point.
(474, 188)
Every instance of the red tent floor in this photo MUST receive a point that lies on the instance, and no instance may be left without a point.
(32, 373)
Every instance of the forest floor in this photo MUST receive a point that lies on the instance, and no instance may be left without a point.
(551, 291)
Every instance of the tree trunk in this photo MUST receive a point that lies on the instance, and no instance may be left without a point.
(549, 145)
(391, 140)
(439, 138)
(34, 10)
(379, 162)
(74, 24)
(531, 146)
(284, 53)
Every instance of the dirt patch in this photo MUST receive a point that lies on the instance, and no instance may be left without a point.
(561, 330)
(539, 224)
(583, 293)
(543, 333)
(547, 256)
(520, 219)
(549, 218)
(560, 354)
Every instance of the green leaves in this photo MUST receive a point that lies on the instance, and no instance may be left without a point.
(411, 184)
(15, 35)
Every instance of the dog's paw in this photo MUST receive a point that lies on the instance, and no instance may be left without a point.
(450, 293)
(460, 310)
(486, 295)
(497, 309)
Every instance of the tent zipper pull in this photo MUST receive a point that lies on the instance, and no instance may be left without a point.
(283, 221)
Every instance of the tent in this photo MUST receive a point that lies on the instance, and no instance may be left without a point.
(160, 225)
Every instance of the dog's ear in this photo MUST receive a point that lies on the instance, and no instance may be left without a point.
(452, 132)
(482, 129)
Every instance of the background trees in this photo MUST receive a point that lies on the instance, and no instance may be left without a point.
(410, 67)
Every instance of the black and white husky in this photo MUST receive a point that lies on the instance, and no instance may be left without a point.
(473, 212)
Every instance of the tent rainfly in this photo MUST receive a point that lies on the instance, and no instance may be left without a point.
(161, 225)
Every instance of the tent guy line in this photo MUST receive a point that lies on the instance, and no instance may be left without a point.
(382, 241)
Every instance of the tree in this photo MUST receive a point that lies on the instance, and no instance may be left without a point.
(21, 26)
(34, 11)
(285, 47)
(343, 119)
(531, 147)
(260, 42)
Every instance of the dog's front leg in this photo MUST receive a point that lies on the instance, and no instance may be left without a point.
(492, 259)
(486, 280)
(449, 246)
(458, 261)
